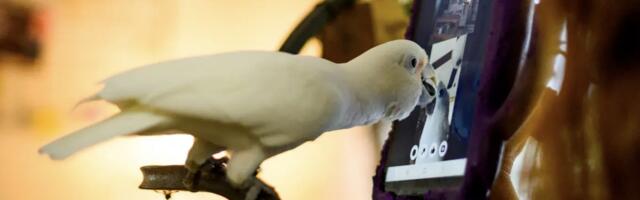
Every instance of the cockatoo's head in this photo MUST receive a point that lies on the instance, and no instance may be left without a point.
(397, 54)
(395, 69)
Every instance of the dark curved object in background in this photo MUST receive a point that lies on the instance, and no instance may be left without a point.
(313, 23)
(17, 35)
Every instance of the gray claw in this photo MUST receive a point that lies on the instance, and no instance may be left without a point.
(254, 190)
(190, 180)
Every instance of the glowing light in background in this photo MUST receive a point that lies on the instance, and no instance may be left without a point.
(91, 40)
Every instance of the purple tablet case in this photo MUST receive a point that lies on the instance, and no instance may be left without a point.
(491, 94)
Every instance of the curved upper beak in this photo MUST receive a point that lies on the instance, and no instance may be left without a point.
(421, 65)
(428, 80)
(427, 95)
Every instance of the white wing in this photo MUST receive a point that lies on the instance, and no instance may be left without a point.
(270, 92)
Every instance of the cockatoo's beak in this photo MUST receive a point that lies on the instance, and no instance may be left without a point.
(421, 64)
(428, 79)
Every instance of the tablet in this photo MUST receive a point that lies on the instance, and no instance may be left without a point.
(429, 148)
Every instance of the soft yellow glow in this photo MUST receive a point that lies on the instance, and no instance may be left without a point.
(91, 40)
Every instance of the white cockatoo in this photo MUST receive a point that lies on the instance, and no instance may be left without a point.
(254, 104)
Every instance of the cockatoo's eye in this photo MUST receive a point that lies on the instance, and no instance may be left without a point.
(411, 63)
(414, 62)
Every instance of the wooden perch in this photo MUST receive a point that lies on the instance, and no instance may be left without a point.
(169, 178)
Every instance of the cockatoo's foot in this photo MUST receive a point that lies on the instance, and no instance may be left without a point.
(190, 180)
(256, 187)
(195, 171)
(213, 165)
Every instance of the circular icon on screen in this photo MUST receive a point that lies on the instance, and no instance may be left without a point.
(443, 148)
(414, 152)
(423, 151)
(433, 149)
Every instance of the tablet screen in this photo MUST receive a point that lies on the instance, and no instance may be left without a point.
(428, 149)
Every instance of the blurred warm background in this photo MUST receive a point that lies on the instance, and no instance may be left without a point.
(82, 42)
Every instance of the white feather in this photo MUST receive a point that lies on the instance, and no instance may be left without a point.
(124, 123)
